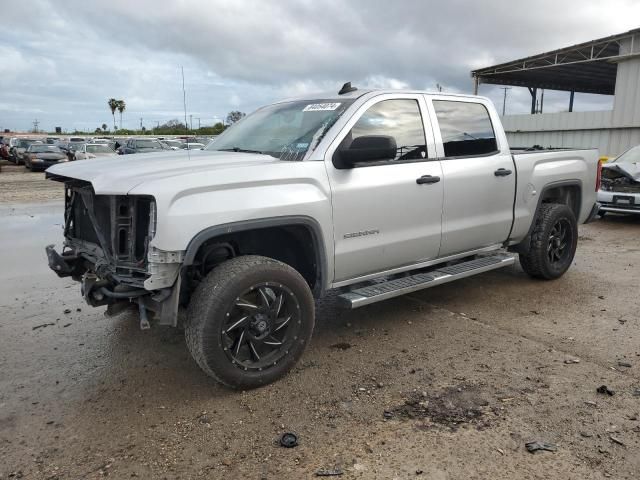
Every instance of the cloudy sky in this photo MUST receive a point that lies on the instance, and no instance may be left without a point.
(62, 60)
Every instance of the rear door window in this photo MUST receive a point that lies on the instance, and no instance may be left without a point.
(466, 129)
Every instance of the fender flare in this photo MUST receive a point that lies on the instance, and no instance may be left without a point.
(523, 247)
(309, 223)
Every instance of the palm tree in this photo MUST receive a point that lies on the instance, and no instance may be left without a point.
(121, 108)
(104, 127)
(113, 105)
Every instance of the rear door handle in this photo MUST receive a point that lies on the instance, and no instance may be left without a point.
(427, 179)
(502, 172)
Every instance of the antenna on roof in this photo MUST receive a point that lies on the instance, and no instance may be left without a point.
(184, 102)
(347, 88)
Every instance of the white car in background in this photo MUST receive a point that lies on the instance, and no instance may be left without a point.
(172, 144)
(620, 188)
(193, 146)
(94, 150)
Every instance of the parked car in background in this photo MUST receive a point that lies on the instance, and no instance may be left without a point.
(40, 156)
(620, 188)
(21, 147)
(142, 145)
(69, 148)
(51, 140)
(172, 144)
(94, 150)
(8, 143)
(192, 146)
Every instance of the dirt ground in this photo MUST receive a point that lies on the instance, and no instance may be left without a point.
(449, 383)
(17, 184)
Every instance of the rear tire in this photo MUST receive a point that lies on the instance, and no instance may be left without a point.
(553, 242)
(249, 321)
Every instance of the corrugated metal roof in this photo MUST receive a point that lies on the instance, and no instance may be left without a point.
(587, 67)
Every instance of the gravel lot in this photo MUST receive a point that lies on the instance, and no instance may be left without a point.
(467, 373)
(17, 184)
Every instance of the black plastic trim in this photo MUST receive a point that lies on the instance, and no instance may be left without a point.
(311, 224)
(523, 246)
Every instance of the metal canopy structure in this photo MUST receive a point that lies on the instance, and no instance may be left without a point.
(588, 67)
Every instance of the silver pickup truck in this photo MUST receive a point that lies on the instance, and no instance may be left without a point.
(373, 193)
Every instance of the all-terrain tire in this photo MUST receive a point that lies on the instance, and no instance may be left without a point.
(219, 293)
(537, 262)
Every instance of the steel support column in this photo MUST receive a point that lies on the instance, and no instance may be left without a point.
(571, 100)
(534, 93)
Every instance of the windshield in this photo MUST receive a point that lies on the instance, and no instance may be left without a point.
(283, 130)
(148, 144)
(99, 149)
(630, 156)
(26, 143)
(44, 149)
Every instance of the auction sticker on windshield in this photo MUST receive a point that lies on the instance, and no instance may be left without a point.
(319, 107)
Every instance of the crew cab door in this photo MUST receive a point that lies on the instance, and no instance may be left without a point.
(479, 171)
(386, 213)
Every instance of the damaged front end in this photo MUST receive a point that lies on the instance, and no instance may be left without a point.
(107, 248)
(620, 188)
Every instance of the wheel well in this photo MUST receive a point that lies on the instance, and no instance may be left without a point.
(294, 245)
(565, 194)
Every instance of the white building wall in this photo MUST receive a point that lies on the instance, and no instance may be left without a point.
(612, 132)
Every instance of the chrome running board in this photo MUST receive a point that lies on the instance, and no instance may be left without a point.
(401, 286)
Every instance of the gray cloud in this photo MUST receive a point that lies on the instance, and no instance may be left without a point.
(66, 59)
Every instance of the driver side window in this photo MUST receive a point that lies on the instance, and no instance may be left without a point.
(400, 119)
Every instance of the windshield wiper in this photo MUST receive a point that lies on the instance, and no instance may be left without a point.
(238, 149)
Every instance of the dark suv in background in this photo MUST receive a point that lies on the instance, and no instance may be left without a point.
(141, 145)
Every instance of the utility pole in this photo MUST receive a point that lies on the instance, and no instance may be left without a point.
(140, 123)
(190, 122)
(35, 125)
(198, 118)
(438, 87)
(504, 100)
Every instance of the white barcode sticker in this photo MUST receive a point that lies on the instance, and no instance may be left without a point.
(319, 107)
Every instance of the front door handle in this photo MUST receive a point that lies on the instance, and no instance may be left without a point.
(502, 172)
(427, 179)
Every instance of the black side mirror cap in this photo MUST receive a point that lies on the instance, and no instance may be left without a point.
(365, 149)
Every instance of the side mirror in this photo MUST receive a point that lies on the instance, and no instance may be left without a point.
(371, 148)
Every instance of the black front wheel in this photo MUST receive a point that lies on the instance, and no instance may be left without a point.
(553, 242)
(249, 321)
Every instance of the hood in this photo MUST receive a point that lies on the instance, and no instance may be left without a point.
(629, 170)
(118, 176)
(50, 155)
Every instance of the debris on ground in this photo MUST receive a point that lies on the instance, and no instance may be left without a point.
(329, 472)
(591, 404)
(616, 440)
(66, 325)
(570, 361)
(605, 390)
(636, 392)
(44, 325)
(67, 311)
(533, 447)
(289, 440)
(453, 407)
(624, 364)
(341, 346)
